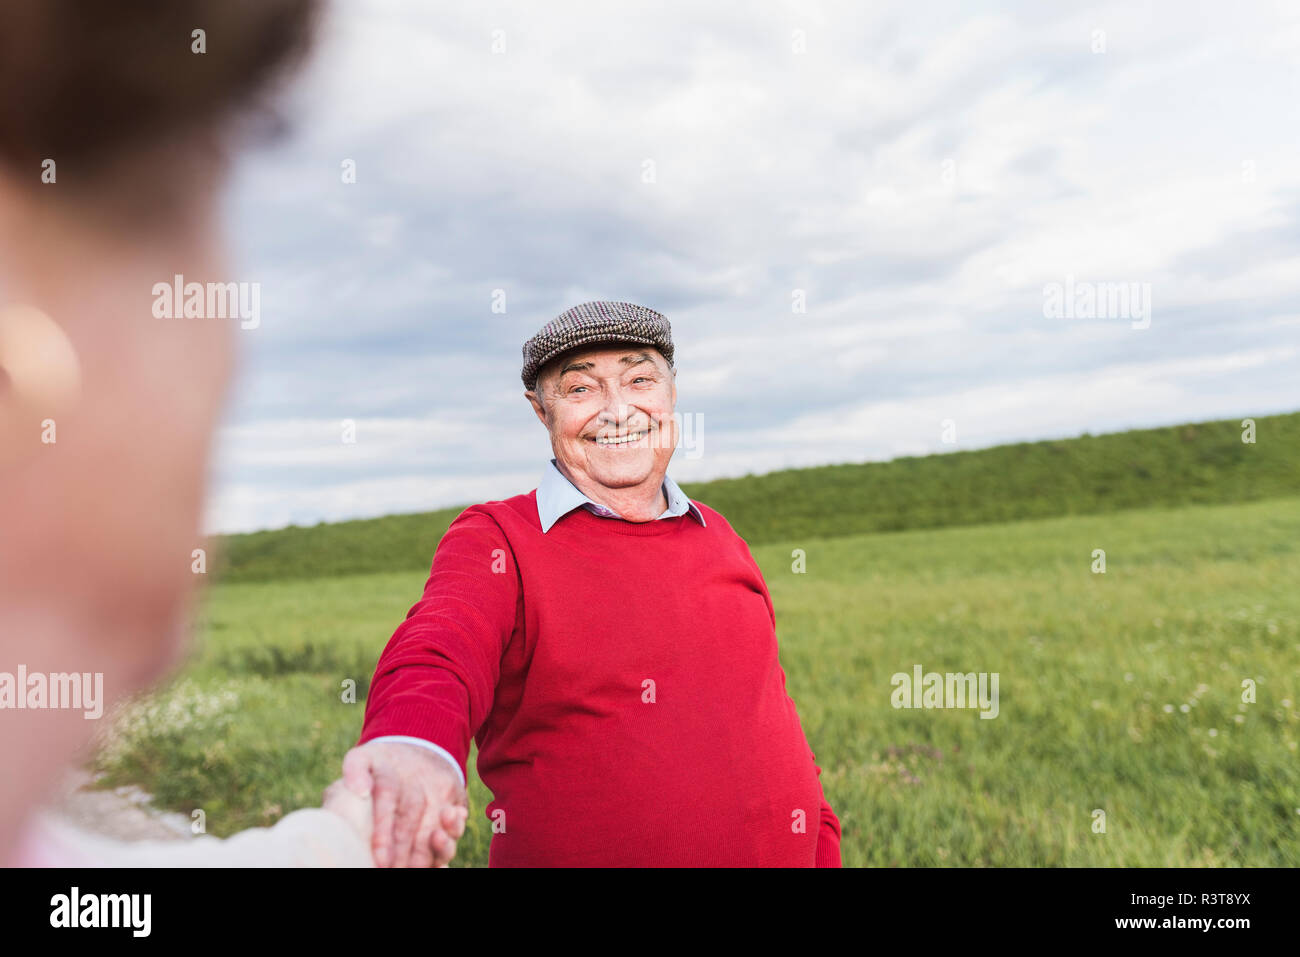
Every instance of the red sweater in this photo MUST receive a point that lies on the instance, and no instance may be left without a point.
(622, 682)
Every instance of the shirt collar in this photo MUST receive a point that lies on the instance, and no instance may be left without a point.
(557, 497)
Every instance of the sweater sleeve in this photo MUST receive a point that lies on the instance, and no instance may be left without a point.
(436, 677)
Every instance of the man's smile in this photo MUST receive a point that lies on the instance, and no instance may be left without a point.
(620, 440)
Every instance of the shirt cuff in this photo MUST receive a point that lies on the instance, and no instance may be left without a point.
(425, 744)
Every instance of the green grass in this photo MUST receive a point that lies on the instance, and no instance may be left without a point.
(1194, 600)
(1183, 465)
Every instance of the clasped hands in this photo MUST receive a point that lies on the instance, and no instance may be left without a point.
(405, 801)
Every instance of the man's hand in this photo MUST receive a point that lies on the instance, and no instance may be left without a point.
(420, 807)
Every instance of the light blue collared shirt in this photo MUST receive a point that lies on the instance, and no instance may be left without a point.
(557, 497)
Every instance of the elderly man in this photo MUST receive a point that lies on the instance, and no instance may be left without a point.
(609, 643)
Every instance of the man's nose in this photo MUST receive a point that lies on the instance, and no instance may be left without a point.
(617, 417)
(617, 408)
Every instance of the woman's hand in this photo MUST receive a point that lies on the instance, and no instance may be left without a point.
(349, 798)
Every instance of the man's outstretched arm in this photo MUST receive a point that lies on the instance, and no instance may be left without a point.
(434, 683)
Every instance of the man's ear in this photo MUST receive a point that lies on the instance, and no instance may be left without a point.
(538, 407)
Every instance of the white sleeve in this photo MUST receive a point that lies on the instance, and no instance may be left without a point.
(425, 744)
(310, 837)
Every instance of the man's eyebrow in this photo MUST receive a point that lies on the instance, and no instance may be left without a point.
(631, 359)
(636, 358)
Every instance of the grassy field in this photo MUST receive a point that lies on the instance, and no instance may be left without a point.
(1119, 692)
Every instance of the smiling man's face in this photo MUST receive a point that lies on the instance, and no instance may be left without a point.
(609, 411)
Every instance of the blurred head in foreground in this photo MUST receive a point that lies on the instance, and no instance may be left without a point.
(115, 130)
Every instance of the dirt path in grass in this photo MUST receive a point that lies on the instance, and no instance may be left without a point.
(124, 813)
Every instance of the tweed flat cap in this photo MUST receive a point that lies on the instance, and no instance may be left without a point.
(594, 322)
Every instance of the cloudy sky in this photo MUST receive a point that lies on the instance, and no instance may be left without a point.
(920, 176)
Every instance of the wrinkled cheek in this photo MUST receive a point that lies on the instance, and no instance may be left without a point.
(667, 440)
